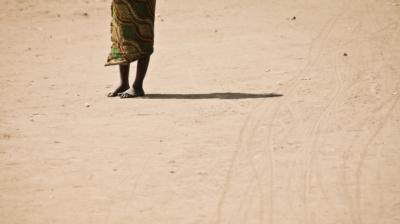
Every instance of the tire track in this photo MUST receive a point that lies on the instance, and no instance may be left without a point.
(314, 152)
(323, 35)
(325, 39)
(293, 83)
(383, 121)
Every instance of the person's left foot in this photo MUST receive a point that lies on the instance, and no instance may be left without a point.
(132, 93)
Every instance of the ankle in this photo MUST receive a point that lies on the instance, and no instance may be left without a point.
(137, 87)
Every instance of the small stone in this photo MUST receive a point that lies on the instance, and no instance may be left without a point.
(345, 54)
(294, 18)
(87, 105)
(6, 136)
(171, 172)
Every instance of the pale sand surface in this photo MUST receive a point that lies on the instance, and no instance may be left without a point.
(327, 152)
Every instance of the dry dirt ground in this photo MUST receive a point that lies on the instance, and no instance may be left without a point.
(207, 146)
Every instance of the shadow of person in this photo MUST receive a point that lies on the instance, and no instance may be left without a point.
(224, 96)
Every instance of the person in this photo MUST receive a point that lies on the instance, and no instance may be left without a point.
(132, 37)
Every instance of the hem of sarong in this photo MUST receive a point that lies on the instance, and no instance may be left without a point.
(116, 63)
(125, 62)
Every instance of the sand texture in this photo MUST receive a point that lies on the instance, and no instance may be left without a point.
(214, 142)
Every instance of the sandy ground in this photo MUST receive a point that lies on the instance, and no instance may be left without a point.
(209, 148)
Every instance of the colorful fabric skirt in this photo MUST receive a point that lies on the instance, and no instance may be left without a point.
(132, 30)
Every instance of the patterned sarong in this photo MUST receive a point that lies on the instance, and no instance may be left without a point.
(132, 30)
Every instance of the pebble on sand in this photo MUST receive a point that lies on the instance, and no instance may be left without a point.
(87, 105)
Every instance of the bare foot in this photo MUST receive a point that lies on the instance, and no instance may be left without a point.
(132, 93)
(119, 90)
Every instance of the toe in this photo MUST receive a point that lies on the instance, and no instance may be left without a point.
(111, 95)
(124, 95)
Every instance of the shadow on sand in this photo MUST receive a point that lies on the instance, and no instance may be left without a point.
(225, 96)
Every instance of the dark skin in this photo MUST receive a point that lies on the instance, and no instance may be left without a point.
(124, 90)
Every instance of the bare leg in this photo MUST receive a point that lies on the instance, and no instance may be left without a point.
(137, 86)
(124, 76)
(142, 66)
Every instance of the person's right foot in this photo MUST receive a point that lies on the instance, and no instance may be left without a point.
(119, 90)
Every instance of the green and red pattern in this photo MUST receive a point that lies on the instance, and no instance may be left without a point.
(132, 30)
